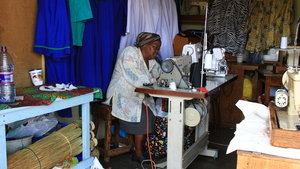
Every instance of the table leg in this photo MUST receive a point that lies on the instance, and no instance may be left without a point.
(175, 133)
(267, 90)
(255, 87)
(85, 130)
(3, 155)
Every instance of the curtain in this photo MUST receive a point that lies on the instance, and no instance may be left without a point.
(156, 16)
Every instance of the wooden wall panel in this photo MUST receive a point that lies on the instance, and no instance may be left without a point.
(17, 31)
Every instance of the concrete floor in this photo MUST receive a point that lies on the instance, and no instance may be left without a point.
(219, 139)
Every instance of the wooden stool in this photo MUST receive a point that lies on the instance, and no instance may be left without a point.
(112, 144)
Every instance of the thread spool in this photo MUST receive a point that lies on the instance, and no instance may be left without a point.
(284, 42)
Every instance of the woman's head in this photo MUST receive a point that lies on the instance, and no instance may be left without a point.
(146, 37)
(149, 43)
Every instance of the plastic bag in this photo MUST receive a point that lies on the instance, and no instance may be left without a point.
(36, 126)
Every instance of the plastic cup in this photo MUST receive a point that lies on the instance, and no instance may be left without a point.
(36, 76)
(239, 58)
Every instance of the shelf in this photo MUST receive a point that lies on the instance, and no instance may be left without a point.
(192, 18)
(15, 114)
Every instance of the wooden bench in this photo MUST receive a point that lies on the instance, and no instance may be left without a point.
(112, 144)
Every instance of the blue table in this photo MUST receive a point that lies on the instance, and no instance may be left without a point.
(19, 113)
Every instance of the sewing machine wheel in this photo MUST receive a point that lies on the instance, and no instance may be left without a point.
(281, 98)
(167, 66)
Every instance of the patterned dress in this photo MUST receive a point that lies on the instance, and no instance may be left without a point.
(225, 22)
(268, 21)
(131, 72)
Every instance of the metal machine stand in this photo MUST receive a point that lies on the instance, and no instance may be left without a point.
(176, 157)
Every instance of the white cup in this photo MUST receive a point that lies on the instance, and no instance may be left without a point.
(239, 58)
(36, 76)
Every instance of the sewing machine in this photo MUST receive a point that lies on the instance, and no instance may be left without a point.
(294, 89)
(186, 70)
(215, 64)
(173, 70)
(290, 119)
(194, 50)
(272, 55)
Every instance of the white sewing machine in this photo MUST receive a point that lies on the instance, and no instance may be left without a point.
(215, 64)
(272, 55)
(194, 50)
(290, 118)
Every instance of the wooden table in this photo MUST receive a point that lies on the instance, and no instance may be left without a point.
(230, 115)
(270, 79)
(250, 160)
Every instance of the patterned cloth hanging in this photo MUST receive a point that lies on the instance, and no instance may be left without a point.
(225, 22)
(268, 21)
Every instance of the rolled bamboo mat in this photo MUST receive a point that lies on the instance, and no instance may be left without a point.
(47, 152)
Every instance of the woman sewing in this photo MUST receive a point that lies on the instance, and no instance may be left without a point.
(136, 112)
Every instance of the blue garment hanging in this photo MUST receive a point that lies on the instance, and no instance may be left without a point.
(86, 60)
(53, 33)
(92, 64)
(54, 40)
(115, 13)
(96, 58)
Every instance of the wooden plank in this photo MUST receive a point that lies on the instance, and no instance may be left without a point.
(249, 160)
(192, 18)
(279, 69)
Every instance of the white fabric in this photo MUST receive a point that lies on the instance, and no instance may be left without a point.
(96, 164)
(58, 87)
(252, 134)
(155, 16)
